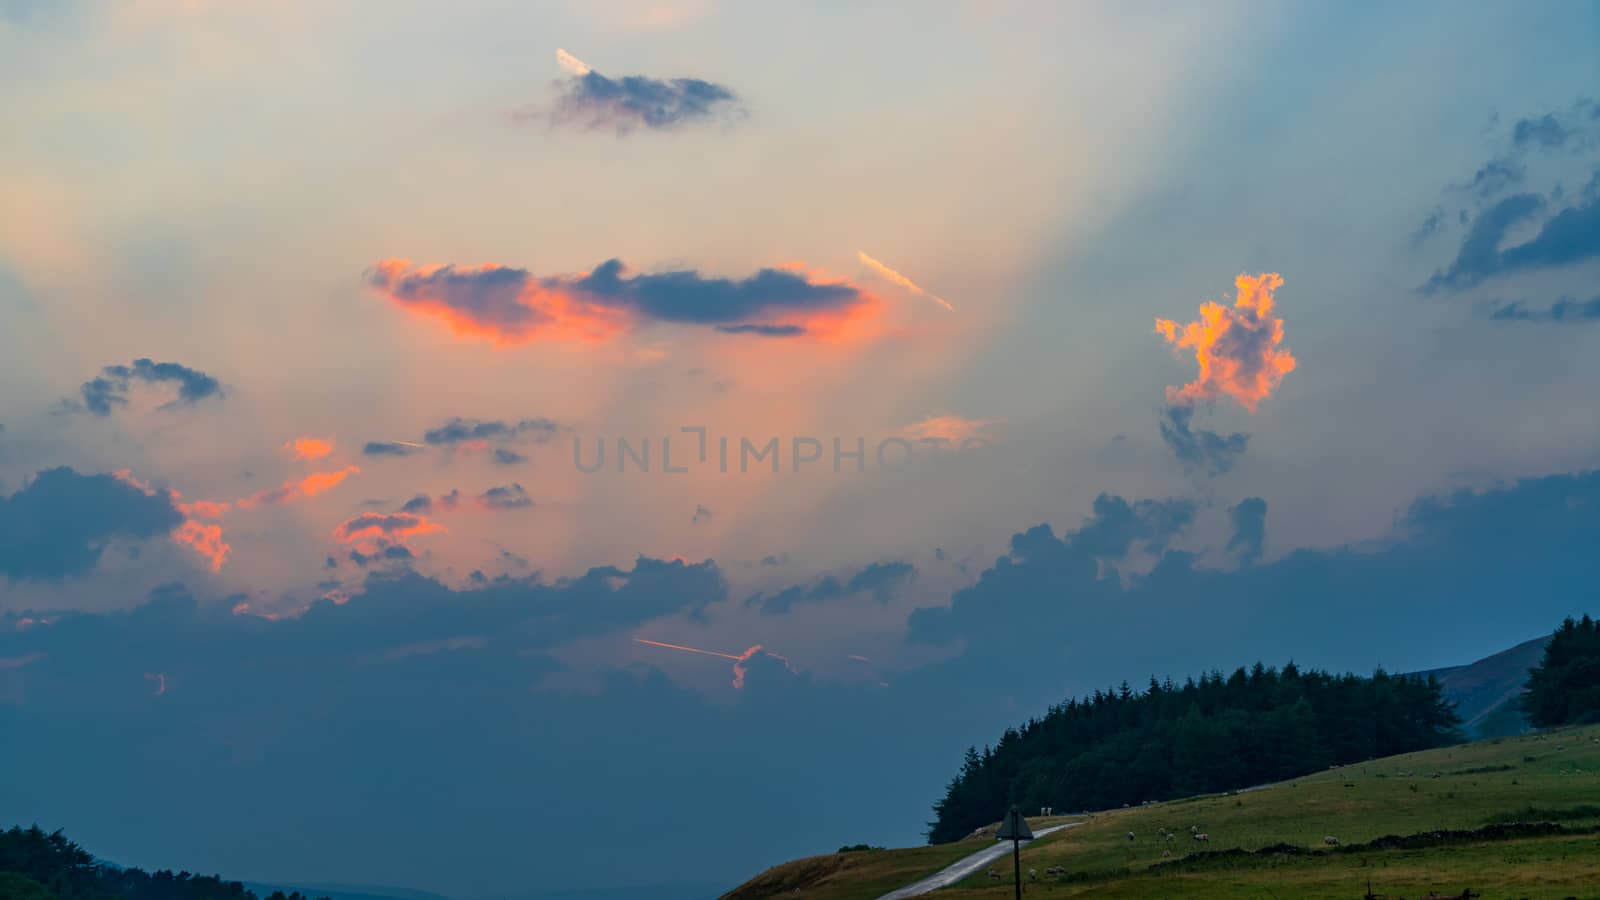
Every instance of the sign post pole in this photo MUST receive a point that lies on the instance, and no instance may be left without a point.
(1015, 828)
(1016, 864)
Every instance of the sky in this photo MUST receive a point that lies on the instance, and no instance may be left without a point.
(432, 436)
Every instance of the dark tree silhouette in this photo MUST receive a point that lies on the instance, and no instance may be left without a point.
(1254, 726)
(1565, 687)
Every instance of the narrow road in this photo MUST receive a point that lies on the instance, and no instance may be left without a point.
(954, 873)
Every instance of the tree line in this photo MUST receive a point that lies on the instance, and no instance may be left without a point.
(1565, 687)
(40, 865)
(1216, 733)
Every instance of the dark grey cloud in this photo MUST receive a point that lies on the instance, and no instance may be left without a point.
(392, 553)
(514, 305)
(505, 497)
(421, 503)
(505, 457)
(1249, 518)
(357, 708)
(387, 448)
(1495, 176)
(1571, 235)
(459, 431)
(1117, 525)
(1199, 449)
(689, 297)
(879, 579)
(1554, 130)
(1505, 561)
(593, 101)
(58, 525)
(101, 395)
(764, 330)
(1566, 309)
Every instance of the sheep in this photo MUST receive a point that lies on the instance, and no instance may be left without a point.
(1202, 836)
(1033, 874)
(1193, 829)
(1170, 836)
(993, 875)
(1331, 841)
(1130, 836)
(1166, 854)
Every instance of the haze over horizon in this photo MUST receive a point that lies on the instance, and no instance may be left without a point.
(430, 438)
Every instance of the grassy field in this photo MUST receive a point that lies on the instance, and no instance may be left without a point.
(1552, 777)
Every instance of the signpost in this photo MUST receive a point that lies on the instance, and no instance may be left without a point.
(1015, 828)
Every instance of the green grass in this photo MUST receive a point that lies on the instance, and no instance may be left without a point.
(1552, 777)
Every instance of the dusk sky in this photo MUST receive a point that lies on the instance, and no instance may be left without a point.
(1171, 338)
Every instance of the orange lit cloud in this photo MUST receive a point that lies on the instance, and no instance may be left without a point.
(205, 540)
(1238, 348)
(309, 486)
(200, 537)
(953, 430)
(896, 278)
(509, 306)
(308, 448)
(397, 527)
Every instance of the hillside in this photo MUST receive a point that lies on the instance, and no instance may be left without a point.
(1486, 692)
(1387, 815)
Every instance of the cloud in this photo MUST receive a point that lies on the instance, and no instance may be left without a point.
(1199, 449)
(1529, 542)
(421, 503)
(510, 306)
(591, 101)
(896, 278)
(59, 523)
(701, 514)
(385, 526)
(1241, 357)
(505, 457)
(1117, 525)
(571, 63)
(504, 498)
(762, 664)
(390, 553)
(205, 539)
(879, 580)
(950, 429)
(474, 431)
(389, 448)
(1569, 236)
(1239, 348)
(308, 448)
(103, 394)
(1573, 126)
(1249, 518)
(764, 330)
(309, 486)
(1566, 309)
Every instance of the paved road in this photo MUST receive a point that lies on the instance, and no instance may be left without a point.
(951, 875)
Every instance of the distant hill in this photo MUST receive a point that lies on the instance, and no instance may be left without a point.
(1485, 692)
